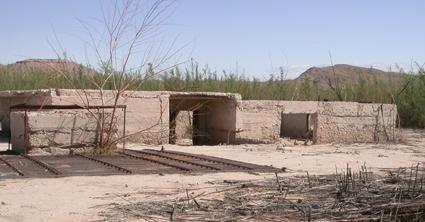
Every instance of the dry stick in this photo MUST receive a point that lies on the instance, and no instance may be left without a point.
(308, 179)
(353, 183)
(422, 178)
(417, 214)
(133, 211)
(188, 199)
(410, 179)
(193, 198)
(399, 202)
(279, 186)
(382, 215)
(309, 213)
(346, 182)
(172, 213)
(365, 168)
(416, 178)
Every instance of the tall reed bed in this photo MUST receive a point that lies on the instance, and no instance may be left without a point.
(408, 93)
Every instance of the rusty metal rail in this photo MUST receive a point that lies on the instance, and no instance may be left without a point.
(156, 161)
(126, 162)
(176, 159)
(12, 167)
(207, 159)
(42, 164)
(106, 164)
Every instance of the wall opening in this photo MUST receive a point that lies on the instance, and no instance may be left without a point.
(296, 126)
(203, 119)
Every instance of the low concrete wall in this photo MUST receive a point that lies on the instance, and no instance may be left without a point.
(260, 121)
(147, 119)
(58, 129)
(356, 122)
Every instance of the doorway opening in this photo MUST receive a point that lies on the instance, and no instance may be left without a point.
(201, 119)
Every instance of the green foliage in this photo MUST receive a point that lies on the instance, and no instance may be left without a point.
(411, 100)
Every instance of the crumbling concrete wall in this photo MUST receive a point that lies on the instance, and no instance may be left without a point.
(55, 131)
(341, 122)
(260, 121)
(349, 122)
(147, 116)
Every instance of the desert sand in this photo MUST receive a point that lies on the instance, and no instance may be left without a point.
(86, 198)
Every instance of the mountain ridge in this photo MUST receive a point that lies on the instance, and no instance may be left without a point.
(345, 74)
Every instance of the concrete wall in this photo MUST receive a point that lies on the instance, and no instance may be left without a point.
(58, 129)
(260, 121)
(356, 122)
(17, 128)
(147, 119)
(147, 116)
(223, 117)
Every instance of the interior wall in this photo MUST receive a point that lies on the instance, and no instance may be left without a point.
(183, 130)
(17, 137)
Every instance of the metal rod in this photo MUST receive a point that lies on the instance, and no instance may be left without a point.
(202, 158)
(12, 167)
(25, 133)
(177, 159)
(106, 163)
(124, 139)
(156, 161)
(9, 146)
(42, 164)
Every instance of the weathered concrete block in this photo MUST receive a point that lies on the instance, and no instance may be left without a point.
(58, 128)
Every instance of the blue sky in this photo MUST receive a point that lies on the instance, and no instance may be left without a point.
(253, 37)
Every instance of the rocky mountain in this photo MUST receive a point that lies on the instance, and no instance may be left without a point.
(345, 74)
(54, 66)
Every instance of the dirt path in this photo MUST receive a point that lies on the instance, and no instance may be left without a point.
(84, 198)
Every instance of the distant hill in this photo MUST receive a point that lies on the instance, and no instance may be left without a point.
(345, 74)
(53, 66)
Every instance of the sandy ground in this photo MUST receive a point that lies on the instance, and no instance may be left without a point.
(85, 198)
